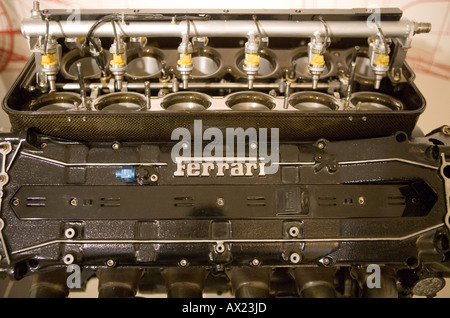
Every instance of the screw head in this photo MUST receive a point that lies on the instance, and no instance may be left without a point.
(362, 200)
(43, 145)
(326, 261)
(115, 146)
(154, 178)
(256, 262)
(15, 202)
(183, 263)
(219, 248)
(294, 231)
(220, 202)
(321, 145)
(446, 130)
(110, 263)
(73, 202)
(69, 233)
(68, 259)
(295, 258)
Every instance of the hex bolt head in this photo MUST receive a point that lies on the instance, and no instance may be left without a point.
(73, 202)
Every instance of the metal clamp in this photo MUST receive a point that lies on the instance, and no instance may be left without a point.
(5, 149)
(445, 166)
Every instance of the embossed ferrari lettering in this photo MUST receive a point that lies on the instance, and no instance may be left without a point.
(219, 169)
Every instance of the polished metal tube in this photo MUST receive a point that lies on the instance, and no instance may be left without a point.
(141, 86)
(32, 28)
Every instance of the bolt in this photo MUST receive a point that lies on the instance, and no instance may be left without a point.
(294, 231)
(220, 202)
(321, 145)
(115, 146)
(295, 258)
(73, 202)
(68, 259)
(4, 147)
(16, 202)
(69, 233)
(154, 178)
(219, 248)
(332, 167)
(326, 261)
(362, 200)
(255, 262)
(446, 130)
(110, 263)
(183, 263)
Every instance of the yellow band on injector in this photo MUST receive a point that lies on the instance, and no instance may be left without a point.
(382, 59)
(49, 59)
(317, 59)
(252, 59)
(185, 59)
(117, 60)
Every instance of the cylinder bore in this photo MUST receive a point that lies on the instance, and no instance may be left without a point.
(126, 102)
(267, 64)
(313, 102)
(371, 101)
(89, 66)
(186, 101)
(143, 64)
(301, 66)
(250, 101)
(206, 63)
(55, 102)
